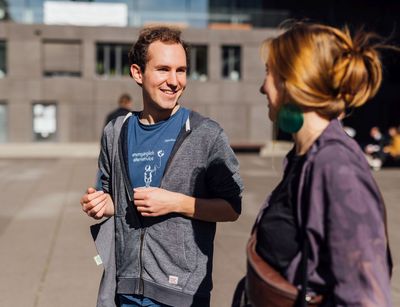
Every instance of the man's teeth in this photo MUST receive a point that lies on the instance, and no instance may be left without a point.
(168, 92)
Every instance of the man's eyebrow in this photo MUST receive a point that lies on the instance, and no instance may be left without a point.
(169, 67)
(162, 66)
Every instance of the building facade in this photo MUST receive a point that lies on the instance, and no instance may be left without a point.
(57, 83)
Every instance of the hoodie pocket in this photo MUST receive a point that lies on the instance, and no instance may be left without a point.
(166, 254)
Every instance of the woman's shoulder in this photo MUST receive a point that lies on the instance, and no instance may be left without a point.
(339, 162)
(335, 152)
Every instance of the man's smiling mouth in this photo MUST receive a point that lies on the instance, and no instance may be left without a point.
(169, 92)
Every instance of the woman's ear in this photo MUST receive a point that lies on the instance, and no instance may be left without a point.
(137, 74)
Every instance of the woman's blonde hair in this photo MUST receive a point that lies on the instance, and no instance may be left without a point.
(324, 68)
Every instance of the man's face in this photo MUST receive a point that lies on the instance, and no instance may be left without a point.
(164, 78)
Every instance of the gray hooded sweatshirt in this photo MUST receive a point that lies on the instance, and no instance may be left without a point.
(166, 258)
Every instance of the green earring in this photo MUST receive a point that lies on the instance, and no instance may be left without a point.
(290, 118)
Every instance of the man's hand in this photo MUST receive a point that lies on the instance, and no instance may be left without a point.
(155, 201)
(97, 204)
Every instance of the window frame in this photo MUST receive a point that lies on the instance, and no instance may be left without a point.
(230, 61)
(193, 62)
(112, 52)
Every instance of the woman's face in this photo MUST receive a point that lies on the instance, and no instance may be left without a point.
(273, 89)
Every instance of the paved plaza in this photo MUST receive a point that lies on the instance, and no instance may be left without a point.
(46, 256)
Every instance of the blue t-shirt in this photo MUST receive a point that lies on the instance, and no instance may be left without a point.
(149, 147)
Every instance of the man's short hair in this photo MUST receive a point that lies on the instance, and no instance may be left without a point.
(139, 51)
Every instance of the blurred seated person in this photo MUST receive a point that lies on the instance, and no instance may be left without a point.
(393, 149)
(374, 149)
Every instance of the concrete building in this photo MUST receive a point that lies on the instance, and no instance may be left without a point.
(57, 83)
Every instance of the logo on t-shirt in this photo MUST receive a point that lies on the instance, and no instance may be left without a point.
(149, 169)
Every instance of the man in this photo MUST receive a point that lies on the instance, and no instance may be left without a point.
(168, 174)
(124, 107)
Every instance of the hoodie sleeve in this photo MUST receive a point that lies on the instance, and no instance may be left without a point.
(222, 174)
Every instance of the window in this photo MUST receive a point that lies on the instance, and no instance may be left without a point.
(3, 122)
(3, 59)
(112, 59)
(198, 69)
(231, 62)
(44, 121)
(62, 58)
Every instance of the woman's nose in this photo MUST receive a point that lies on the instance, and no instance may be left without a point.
(262, 90)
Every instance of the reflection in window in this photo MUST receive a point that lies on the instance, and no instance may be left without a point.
(231, 62)
(3, 122)
(198, 63)
(112, 59)
(3, 59)
(44, 121)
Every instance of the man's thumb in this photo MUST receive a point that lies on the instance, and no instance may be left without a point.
(91, 190)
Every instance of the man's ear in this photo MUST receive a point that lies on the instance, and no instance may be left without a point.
(136, 74)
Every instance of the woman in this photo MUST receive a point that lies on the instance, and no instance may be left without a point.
(327, 209)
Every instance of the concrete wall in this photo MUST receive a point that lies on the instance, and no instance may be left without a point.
(84, 101)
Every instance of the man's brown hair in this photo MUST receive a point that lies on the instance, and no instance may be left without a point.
(139, 51)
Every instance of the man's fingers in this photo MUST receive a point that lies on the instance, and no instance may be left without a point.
(90, 197)
(139, 195)
(100, 213)
(140, 203)
(142, 192)
(95, 195)
(147, 214)
(145, 211)
(89, 204)
(97, 208)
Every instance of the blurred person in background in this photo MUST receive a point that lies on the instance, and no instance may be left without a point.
(125, 106)
(323, 227)
(393, 149)
(168, 175)
(374, 149)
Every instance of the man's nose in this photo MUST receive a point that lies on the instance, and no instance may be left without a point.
(262, 90)
(172, 79)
